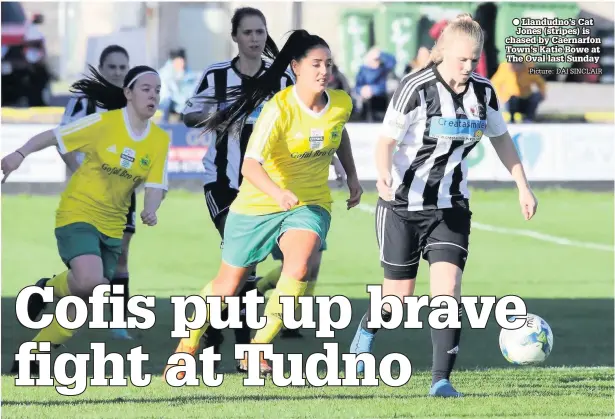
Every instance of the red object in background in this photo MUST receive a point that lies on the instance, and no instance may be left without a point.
(25, 72)
(435, 32)
(591, 78)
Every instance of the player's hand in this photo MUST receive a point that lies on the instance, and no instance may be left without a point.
(528, 203)
(384, 186)
(10, 163)
(149, 218)
(286, 199)
(355, 192)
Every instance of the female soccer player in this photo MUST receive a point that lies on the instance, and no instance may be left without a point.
(123, 149)
(436, 116)
(222, 163)
(113, 66)
(284, 203)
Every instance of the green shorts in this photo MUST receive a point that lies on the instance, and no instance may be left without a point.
(80, 239)
(249, 239)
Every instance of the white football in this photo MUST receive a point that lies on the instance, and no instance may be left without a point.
(530, 344)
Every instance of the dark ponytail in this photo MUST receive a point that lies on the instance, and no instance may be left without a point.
(255, 91)
(271, 49)
(102, 92)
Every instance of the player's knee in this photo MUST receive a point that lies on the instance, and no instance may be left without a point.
(400, 287)
(84, 284)
(295, 270)
(445, 273)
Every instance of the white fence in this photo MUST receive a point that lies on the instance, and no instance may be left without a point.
(550, 152)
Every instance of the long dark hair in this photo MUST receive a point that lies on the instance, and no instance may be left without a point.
(271, 49)
(248, 97)
(105, 94)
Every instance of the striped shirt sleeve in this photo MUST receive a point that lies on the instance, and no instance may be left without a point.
(205, 87)
(496, 125)
(287, 80)
(266, 132)
(76, 108)
(79, 135)
(403, 110)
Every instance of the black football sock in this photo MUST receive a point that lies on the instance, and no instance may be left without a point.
(120, 279)
(445, 344)
(386, 316)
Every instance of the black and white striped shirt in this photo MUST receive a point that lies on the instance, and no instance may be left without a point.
(223, 162)
(76, 108)
(435, 129)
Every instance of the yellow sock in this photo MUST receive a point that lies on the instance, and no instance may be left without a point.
(196, 334)
(53, 333)
(309, 292)
(60, 284)
(270, 280)
(273, 309)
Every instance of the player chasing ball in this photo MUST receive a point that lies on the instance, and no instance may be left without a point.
(284, 204)
(113, 66)
(220, 83)
(123, 149)
(436, 116)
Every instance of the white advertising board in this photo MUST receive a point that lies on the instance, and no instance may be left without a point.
(45, 166)
(549, 152)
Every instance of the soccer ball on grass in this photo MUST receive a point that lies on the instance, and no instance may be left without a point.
(530, 344)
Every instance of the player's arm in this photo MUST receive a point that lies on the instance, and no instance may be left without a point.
(72, 137)
(266, 132)
(507, 153)
(197, 108)
(344, 153)
(502, 142)
(156, 187)
(401, 113)
(69, 158)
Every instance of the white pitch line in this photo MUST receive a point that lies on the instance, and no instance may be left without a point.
(520, 232)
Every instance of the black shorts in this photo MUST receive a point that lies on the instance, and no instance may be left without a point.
(440, 235)
(131, 217)
(219, 199)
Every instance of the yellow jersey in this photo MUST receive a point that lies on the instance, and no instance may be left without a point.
(116, 161)
(295, 146)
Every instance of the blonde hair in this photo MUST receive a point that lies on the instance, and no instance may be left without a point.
(463, 24)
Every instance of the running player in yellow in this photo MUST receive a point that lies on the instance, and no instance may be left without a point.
(284, 202)
(123, 149)
(113, 66)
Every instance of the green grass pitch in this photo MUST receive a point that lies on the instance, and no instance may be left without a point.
(569, 286)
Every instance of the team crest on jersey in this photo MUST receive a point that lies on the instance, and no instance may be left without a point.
(336, 133)
(145, 161)
(317, 138)
(476, 111)
(127, 158)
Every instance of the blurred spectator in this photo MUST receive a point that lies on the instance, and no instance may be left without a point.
(178, 83)
(338, 81)
(420, 61)
(520, 91)
(371, 83)
(486, 15)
